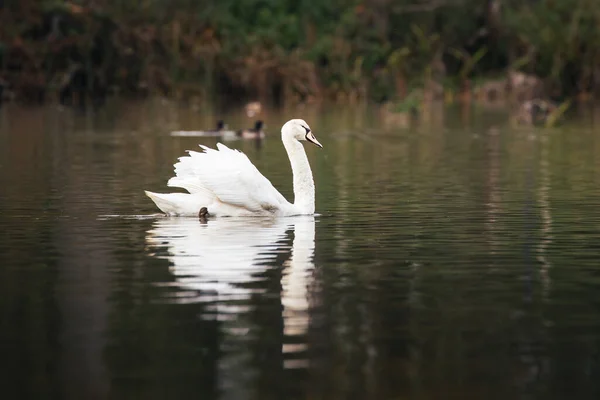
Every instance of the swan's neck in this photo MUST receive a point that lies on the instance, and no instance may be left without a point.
(304, 186)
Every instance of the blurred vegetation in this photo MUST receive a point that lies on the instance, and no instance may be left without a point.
(300, 50)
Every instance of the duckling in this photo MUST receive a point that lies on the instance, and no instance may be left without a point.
(255, 133)
(220, 126)
(219, 131)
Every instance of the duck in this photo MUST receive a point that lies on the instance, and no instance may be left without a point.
(226, 183)
(220, 130)
(253, 133)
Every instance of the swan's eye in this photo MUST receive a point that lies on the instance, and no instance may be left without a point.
(306, 129)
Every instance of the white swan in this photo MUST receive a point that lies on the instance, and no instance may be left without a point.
(228, 184)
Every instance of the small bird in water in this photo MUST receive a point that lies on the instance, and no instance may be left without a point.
(254, 133)
(221, 129)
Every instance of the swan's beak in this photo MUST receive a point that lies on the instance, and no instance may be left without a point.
(311, 138)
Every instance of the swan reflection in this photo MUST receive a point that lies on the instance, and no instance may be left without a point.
(221, 260)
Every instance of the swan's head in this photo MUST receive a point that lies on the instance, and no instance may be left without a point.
(299, 130)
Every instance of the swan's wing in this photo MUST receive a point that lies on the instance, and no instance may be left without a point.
(230, 176)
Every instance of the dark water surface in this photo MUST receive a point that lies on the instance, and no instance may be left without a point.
(455, 259)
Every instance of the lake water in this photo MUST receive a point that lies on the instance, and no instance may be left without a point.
(458, 258)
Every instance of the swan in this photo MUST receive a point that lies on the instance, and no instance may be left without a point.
(228, 184)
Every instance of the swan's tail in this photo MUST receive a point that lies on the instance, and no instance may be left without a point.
(178, 203)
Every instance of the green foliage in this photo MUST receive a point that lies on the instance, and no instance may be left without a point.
(558, 37)
(354, 48)
(468, 61)
(410, 104)
(557, 113)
